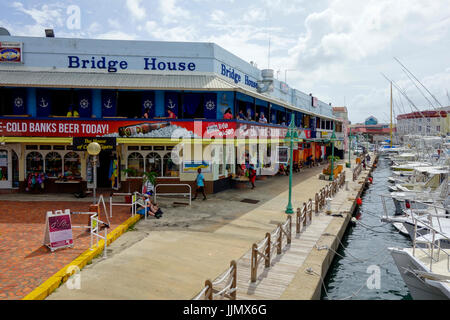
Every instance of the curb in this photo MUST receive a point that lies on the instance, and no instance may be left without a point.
(52, 283)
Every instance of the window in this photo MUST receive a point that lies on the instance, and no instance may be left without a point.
(170, 168)
(136, 162)
(3, 165)
(438, 128)
(61, 100)
(72, 165)
(129, 104)
(53, 164)
(153, 163)
(35, 163)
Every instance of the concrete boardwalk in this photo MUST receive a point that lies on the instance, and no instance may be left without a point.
(272, 282)
(163, 260)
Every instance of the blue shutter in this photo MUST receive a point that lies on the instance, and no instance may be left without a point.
(43, 103)
(171, 103)
(19, 101)
(84, 103)
(191, 102)
(148, 101)
(210, 106)
(109, 105)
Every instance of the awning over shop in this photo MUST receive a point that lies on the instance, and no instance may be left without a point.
(31, 140)
(112, 80)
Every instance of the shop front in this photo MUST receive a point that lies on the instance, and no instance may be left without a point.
(9, 168)
(52, 157)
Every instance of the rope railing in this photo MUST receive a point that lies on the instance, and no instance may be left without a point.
(210, 291)
(263, 249)
(272, 240)
(357, 171)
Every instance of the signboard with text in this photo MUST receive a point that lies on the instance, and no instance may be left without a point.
(137, 129)
(11, 52)
(58, 230)
(80, 144)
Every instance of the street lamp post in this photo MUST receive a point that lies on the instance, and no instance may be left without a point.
(349, 148)
(291, 136)
(332, 139)
(94, 149)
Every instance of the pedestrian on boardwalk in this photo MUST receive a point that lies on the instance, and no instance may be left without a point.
(252, 175)
(200, 181)
(368, 159)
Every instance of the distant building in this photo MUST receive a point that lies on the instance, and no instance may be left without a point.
(370, 121)
(342, 114)
(375, 131)
(425, 123)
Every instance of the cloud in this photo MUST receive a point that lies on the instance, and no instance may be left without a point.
(44, 17)
(171, 12)
(136, 9)
(117, 35)
(178, 33)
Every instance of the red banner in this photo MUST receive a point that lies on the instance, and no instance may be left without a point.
(137, 129)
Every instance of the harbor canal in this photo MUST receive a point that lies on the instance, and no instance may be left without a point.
(363, 251)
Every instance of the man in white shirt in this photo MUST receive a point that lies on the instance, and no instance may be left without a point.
(262, 119)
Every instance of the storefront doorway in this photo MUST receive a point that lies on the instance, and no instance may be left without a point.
(103, 171)
(5, 169)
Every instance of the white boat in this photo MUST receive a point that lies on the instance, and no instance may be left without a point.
(415, 221)
(425, 269)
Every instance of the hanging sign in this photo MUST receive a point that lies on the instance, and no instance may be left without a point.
(11, 52)
(58, 230)
(283, 154)
(107, 143)
(193, 166)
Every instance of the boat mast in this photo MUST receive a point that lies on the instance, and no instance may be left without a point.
(391, 117)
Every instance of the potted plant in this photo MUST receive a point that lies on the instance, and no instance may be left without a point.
(149, 176)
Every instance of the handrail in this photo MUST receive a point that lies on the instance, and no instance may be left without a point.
(210, 291)
(263, 249)
(267, 245)
(118, 194)
(357, 171)
(174, 194)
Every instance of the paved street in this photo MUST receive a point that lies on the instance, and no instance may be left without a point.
(171, 258)
(25, 263)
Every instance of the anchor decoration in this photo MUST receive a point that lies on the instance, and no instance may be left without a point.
(108, 104)
(171, 104)
(43, 104)
(84, 103)
(18, 102)
(210, 105)
(148, 104)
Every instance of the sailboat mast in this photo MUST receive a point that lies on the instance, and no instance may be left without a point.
(391, 118)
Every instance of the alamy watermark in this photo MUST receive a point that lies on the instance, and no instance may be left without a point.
(73, 21)
(374, 280)
(74, 282)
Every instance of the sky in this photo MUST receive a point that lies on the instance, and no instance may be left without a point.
(338, 50)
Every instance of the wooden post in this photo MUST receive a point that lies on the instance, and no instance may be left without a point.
(209, 291)
(316, 203)
(254, 265)
(289, 231)
(234, 282)
(267, 251)
(310, 210)
(298, 220)
(280, 239)
(304, 214)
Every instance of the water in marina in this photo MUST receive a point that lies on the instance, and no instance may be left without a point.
(366, 246)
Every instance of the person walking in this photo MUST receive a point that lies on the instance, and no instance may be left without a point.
(252, 175)
(200, 181)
